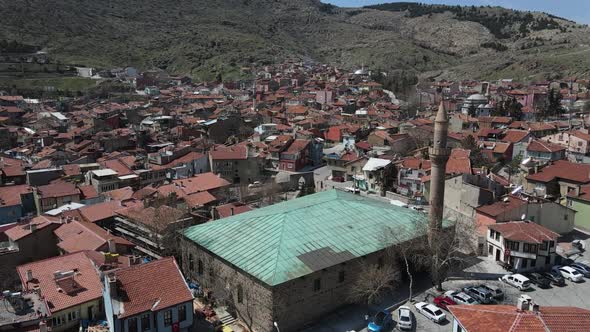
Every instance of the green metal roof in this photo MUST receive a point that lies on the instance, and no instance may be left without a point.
(291, 239)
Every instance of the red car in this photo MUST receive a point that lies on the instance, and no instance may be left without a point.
(444, 301)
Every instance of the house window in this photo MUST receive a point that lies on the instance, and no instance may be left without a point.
(565, 217)
(182, 313)
(167, 317)
(200, 267)
(191, 263)
(551, 244)
(132, 324)
(497, 236)
(544, 245)
(341, 276)
(240, 294)
(525, 247)
(317, 284)
(492, 233)
(547, 260)
(490, 249)
(145, 322)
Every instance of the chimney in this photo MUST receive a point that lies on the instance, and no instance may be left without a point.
(112, 246)
(112, 284)
(29, 275)
(231, 211)
(33, 227)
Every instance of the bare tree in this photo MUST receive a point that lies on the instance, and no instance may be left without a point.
(451, 248)
(373, 282)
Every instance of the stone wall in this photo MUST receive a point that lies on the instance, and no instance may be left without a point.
(293, 304)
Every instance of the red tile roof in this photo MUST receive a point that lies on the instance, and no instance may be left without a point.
(11, 195)
(101, 211)
(583, 195)
(88, 191)
(24, 229)
(199, 199)
(562, 169)
(297, 146)
(63, 293)
(501, 318)
(524, 231)
(542, 146)
(514, 135)
(151, 287)
(120, 194)
(201, 182)
(225, 210)
(507, 204)
(235, 152)
(187, 158)
(80, 235)
(58, 189)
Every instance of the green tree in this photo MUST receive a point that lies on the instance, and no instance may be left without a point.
(553, 107)
(476, 157)
(513, 109)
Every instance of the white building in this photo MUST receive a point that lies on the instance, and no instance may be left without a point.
(525, 246)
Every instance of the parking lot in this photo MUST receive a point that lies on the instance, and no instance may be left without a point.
(572, 294)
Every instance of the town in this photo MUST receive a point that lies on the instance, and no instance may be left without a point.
(304, 198)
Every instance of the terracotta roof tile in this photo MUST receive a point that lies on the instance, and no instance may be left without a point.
(24, 229)
(500, 318)
(509, 203)
(152, 286)
(542, 146)
(58, 189)
(514, 135)
(562, 169)
(524, 231)
(11, 195)
(79, 235)
(225, 210)
(62, 293)
(201, 182)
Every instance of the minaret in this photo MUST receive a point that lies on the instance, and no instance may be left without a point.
(439, 155)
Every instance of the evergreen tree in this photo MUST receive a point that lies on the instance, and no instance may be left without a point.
(553, 107)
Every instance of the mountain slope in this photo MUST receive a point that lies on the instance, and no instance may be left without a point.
(207, 39)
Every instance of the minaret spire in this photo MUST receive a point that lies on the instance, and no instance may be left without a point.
(439, 155)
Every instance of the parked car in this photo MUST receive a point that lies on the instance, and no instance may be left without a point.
(404, 315)
(582, 268)
(555, 277)
(431, 312)
(255, 184)
(569, 273)
(497, 292)
(380, 322)
(517, 280)
(338, 179)
(480, 294)
(352, 190)
(460, 297)
(443, 301)
(538, 279)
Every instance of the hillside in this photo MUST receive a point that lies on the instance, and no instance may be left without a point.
(212, 39)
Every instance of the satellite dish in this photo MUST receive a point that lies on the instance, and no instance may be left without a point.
(523, 217)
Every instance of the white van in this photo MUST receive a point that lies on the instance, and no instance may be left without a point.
(517, 280)
(398, 203)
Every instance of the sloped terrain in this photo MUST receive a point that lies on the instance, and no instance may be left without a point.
(212, 39)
